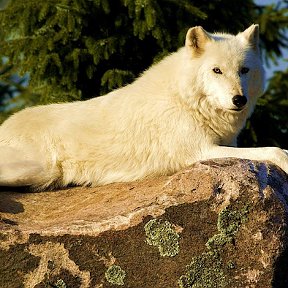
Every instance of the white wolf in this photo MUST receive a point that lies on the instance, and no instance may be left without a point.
(189, 107)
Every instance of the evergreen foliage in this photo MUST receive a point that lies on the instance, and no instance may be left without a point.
(78, 49)
(273, 21)
(12, 91)
(268, 126)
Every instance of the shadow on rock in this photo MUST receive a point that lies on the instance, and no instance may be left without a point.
(280, 277)
(8, 200)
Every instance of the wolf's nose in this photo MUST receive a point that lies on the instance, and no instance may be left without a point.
(239, 100)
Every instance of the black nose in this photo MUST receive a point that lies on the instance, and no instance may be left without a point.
(239, 101)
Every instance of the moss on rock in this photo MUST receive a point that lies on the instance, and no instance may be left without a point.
(161, 234)
(205, 271)
(60, 284)
(115, 275)
(208, 269)
(229, 222)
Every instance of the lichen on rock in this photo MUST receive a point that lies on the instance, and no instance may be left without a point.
(205, 271)
(115, 275)
(161, 234)
(60, 284)
(228, 224)
(208, 269)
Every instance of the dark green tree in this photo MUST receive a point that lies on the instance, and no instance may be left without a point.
(268, 125)
(13, 93)
(78, 49)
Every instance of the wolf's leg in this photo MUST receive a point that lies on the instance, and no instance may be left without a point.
(19, 169)
(276, 155)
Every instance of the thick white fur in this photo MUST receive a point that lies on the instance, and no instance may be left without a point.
(178, 112)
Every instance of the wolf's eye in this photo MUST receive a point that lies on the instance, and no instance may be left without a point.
(244, 70)
(217, 70)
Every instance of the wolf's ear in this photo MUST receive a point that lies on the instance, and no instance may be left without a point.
(196, 39)
(251, 35)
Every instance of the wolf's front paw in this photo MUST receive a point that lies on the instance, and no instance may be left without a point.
(280, 157)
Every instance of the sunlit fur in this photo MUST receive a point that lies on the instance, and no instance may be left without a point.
(178, 112)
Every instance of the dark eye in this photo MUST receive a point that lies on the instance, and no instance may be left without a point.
(217, 70)
(244, 70)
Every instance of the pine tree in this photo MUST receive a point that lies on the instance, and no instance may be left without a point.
(12, 91)
(269, 124)
(77, 49)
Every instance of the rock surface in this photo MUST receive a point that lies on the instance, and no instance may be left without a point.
(220, 223)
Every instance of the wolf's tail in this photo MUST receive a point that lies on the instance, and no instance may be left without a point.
(18, 169)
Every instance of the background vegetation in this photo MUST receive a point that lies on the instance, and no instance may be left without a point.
(78, 49)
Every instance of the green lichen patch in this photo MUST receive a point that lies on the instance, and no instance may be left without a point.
(229, 222)
(205, 271)
(60, 284)
(208, 269)
(115, 275)
(161, 234)
(230, 265)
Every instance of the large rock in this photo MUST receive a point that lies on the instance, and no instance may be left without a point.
(219, 223)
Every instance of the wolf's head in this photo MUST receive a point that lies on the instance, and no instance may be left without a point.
(227, 68)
